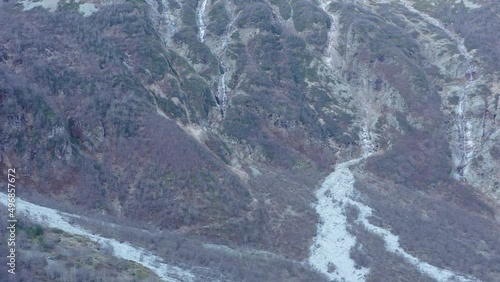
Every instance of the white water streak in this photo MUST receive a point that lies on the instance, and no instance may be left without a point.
(163, 19)
(330, 52)
(56, 219)
(201, 22)
(465, 139)
(222, 78)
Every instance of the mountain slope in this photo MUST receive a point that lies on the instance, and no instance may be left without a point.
(220, 120)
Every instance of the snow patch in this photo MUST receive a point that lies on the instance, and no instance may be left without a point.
(201, 22)
(468, 4)
(50, 5)
(87, 9)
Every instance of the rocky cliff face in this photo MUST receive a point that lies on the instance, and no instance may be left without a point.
(220, 119)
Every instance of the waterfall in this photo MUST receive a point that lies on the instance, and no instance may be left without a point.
(466, 143)
(201, 22)
(222, 78)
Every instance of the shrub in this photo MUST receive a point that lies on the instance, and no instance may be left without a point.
(418, 160)
(199, 96)
(257, 16)
(284, 8)
(312, 20)
(188, 16)
(495, 152)
(306, 15)
(219, 19)
(170, 108)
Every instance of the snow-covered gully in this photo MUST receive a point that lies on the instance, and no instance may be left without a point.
(466, 142)
(201, 21)
(56, 219)
(330, 252)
